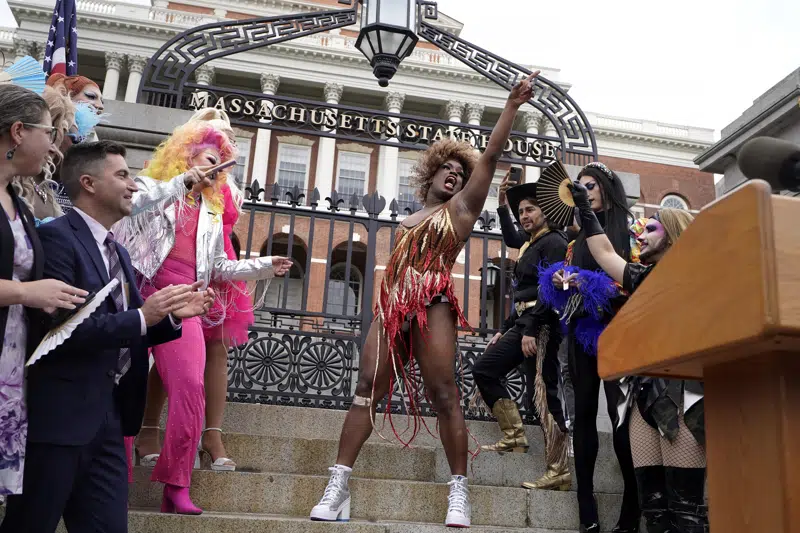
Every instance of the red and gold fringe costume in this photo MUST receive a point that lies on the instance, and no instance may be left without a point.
(419, 271)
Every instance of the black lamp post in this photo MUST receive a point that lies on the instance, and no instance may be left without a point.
(388, 35)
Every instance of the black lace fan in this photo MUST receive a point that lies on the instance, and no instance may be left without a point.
(553, 195)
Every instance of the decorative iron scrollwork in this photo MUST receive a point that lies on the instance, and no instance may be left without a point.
(170, 68)
(550, 99)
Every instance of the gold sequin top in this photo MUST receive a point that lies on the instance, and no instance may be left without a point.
(419, 270)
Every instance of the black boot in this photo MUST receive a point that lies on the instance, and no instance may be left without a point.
(590, 528)
(652, 484)
(685, 493)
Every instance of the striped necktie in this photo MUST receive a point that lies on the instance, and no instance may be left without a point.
(115, 272)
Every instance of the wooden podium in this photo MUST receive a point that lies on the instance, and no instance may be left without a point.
(723, 306)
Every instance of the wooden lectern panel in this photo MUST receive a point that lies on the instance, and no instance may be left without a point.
(729, 288)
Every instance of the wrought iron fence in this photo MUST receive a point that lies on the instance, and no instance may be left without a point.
(304, 348)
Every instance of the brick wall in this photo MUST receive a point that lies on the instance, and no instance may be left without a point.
(657, 180)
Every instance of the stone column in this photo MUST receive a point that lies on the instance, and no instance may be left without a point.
(327, 149)
(388, 155)
(474, 114)
(531, 121)
(22, 48)
(269, 86)
(114, 62)
(204, 75)
(40, 51)
(454, 110)
(136, 66)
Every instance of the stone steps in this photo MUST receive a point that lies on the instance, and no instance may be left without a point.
(293, 495)
(143, 521)
(292, 455)
(310, 423)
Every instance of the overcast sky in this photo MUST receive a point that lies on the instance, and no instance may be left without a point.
(693, 62)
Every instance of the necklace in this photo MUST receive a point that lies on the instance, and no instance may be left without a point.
(42, 193)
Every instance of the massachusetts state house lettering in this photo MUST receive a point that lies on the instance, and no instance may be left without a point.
(405, 130)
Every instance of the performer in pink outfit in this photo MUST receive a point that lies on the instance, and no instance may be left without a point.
(174, 234)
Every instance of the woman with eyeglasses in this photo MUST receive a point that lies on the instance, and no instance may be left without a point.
(73, 123)
(26, 138)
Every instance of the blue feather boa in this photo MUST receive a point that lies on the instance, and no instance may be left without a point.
(596, 291)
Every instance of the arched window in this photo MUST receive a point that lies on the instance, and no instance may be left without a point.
(338, 287)
(674, 201)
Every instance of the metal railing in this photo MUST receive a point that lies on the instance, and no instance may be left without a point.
(305, 346)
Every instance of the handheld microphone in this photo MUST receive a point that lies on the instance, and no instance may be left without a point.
(773, 160)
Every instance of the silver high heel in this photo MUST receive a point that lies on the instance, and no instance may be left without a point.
(222, 464)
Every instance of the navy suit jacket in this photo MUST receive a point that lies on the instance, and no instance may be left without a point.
(71, 389)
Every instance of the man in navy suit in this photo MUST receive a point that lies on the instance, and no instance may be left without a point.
(86, 394)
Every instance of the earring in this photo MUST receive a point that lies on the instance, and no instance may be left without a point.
(10, 153)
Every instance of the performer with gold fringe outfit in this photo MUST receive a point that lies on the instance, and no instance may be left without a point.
(531, 335)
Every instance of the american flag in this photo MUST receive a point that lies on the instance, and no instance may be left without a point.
(61, 51)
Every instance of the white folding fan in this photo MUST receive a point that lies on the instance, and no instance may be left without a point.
(27, 73)
(56, 336)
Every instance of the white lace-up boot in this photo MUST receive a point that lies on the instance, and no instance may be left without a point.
(458, 508)
(335, 503)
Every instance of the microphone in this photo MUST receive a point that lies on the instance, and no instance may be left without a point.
(773, 160)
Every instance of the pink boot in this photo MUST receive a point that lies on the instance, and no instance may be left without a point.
(176, 500)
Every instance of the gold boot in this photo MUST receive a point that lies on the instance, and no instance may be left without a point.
(514, 440)
(551, 480)
(556, 442)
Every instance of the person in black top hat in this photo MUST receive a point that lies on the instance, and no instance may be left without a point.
(530, 335)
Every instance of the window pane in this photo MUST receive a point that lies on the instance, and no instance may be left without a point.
(337, 288)
(406, 193)
(293, 164)
(240, 171)
(353, 170)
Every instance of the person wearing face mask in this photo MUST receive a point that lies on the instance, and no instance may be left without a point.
(531, 335)
(586, 300)
(26, 138)
(417, 313)
(79, 89)
(666, 416)
(175, 235)
(43, 192)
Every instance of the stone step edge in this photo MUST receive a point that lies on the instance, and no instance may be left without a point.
(360, 479)
(152, 513)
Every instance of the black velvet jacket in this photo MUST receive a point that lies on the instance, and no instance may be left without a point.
(548, 249)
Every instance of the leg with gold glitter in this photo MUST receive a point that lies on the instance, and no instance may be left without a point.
(556, 441)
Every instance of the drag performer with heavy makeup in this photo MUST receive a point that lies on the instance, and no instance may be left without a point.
(417, 314)
(226, 325)
(176, 233)
(532, 335)
(588, 304)
(667, 430)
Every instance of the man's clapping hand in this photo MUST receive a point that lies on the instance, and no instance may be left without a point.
(198, 304)
(168, 300)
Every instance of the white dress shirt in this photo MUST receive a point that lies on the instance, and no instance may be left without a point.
(100, 234)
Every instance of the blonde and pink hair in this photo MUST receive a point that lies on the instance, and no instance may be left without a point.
(174, 157)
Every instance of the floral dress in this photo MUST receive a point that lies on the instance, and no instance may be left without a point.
(13, 415)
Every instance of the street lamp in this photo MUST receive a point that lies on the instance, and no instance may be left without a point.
(492, 272)
(388, 35)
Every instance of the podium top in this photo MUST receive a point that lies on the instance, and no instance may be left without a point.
(728, 289)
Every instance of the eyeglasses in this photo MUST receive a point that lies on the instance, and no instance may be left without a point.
(76, 138)
(52, 130)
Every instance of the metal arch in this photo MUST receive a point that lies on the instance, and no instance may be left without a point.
(172, 65)
(569, 120)
(169, 70)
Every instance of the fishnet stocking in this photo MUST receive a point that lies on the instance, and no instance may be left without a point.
(649, 448)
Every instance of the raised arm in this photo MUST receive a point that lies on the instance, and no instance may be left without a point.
(600, 247)
(468, 203)
(513, 237)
